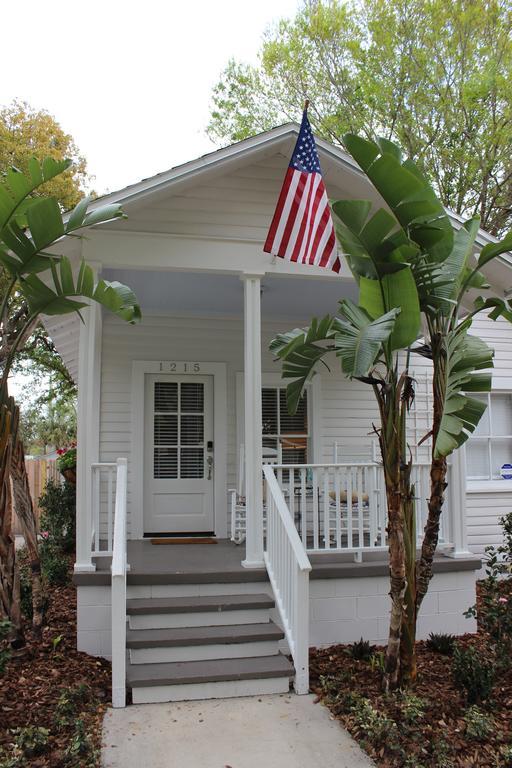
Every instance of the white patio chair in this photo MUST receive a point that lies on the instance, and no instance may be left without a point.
(237, 495)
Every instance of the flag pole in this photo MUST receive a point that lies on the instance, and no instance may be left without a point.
(306, 105)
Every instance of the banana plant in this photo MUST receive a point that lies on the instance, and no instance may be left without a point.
(408, 258)
(37, 282)
(447, 273)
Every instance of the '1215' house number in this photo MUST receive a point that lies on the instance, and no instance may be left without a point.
(169, 367)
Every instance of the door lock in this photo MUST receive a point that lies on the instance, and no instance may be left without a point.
(209, 462)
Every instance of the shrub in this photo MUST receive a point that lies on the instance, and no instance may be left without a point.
(373, 725)
(412, 708)
(58, 503)
(71, 702)
(31, 741)
(54, 565)
(441, 643)
(5, 627)
(472, 674)
(378, 662)
(361, 650)
(479, 725)
(80, 751)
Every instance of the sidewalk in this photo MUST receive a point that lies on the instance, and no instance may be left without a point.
(282, 731)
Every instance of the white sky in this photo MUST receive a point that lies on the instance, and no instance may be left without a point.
(130, 81)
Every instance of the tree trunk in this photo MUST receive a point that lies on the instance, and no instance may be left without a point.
(25, 511)
(438, 469)
(408, 641)
(9, 577)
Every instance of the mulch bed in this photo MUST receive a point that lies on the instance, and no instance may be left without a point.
(435, 739)
(35, 680)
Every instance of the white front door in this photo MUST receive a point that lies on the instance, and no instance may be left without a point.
(178, 454)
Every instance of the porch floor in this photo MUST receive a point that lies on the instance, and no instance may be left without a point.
(222, 563)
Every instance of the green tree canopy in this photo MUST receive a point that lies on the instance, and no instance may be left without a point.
(434, 76)
(26, 133)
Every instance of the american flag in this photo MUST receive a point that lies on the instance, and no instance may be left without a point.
(302, 228)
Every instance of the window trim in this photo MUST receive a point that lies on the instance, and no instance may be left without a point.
(490, 484)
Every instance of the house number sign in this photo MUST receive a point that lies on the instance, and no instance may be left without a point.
(171, 367)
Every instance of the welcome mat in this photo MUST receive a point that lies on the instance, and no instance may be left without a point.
(185, 540)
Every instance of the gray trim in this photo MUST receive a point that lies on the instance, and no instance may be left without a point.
(227, 635)
(219, 603)
(217, 670)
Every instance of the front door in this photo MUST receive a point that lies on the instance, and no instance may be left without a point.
(178, 454)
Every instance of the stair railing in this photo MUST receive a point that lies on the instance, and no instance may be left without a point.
(119, 569)
(288, 569)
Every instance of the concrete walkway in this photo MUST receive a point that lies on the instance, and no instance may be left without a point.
(281, 731)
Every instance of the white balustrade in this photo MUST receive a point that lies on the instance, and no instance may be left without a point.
(119, 569)
(288, 569)
(342, 507)
(103, 488)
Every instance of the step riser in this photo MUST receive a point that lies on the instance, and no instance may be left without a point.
(199, 619)
(203, 652)
(135, 591)
(217, 690)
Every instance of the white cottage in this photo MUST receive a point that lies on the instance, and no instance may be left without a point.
(192, 573)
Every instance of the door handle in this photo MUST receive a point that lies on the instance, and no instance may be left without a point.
(209, 462)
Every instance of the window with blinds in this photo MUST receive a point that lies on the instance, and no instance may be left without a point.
(178, 435)
(280, 428)
(490, 445)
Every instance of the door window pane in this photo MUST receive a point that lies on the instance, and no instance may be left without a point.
(192, 397)
(166, 429)
(166, 463)
(192, 432)
(192, 463)
(166, 396)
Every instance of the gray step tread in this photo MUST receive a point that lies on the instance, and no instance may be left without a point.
(209, 603)
(187, 636)
(218, 670)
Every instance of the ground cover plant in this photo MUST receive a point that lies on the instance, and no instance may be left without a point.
(459, 712)
(52, 698)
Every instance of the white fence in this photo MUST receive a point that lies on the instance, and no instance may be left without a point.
(342, 507)
(288, 569)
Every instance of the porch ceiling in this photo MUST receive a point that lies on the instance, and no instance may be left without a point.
(202, 294)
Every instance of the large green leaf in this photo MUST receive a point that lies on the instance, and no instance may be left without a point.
(465, 356)
(16, 187)
(301, 349)
(23, 253)
(359, 338)
(397, 291)
(406, 191)
(358, 341)
(66, 294)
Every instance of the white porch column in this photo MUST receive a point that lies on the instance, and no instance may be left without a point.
(88, 424)
(253, 426)
(457, 495)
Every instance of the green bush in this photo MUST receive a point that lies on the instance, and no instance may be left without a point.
(58, 520)
(5, 653)
(412, 708)
(31, 741)
(71, 702)
(479, 725)
(441, 643)
(374, 726)
(54, 565)
(472, 674)
(361, 650)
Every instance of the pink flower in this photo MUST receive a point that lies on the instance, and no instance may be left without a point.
(502, 600)
(45, 534)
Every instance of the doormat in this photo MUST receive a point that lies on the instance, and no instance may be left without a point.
(183, 540)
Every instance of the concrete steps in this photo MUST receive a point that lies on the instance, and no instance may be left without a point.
(204, 646)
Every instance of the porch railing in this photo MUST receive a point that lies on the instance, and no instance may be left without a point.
(118, 591)
(288, 569)
(103, 490)
(342, 507)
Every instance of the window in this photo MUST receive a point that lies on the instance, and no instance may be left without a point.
(490, 445)
(284, 435)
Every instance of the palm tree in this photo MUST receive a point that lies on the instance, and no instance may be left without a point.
(36, 282)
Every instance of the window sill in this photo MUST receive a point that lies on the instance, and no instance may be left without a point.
(489, 486)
